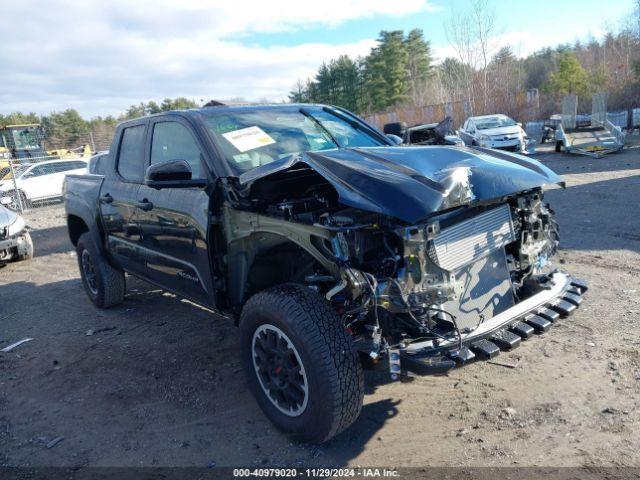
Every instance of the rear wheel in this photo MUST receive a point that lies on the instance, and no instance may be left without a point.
(300, 362)
(104, 284)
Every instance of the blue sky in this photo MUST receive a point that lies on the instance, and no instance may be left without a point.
(100, 57)
(549, 22)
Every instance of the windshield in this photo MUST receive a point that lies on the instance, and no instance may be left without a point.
(25, 139)
(255, 137)
(18, 170)
(494, 122)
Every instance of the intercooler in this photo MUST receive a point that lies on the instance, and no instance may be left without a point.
(474, 250)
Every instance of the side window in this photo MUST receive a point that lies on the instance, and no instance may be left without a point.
(174, 141)
(130, 156)
(34, 172)
(61, 167)
(40, 170)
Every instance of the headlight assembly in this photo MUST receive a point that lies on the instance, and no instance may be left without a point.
(16, 227)
(484, 140)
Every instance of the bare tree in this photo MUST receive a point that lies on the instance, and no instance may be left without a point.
(483, 19)
(472, 35)
(460, 37)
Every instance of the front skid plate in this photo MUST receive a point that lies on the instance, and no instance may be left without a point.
(504, 332)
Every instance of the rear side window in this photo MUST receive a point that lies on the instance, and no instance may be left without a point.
(173, 141)
(78, 165)
(62, 166)
(45, 169)
(130, 157)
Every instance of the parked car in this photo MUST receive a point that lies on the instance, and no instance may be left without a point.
(15, 241)
(330, 247)
(38, 181)
(494, 131)
(425, 134)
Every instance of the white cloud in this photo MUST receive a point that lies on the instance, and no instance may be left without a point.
(100, 57)
(524, 43)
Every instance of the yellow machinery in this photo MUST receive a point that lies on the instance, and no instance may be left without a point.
(24, 143)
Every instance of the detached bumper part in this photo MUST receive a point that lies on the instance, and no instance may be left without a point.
(505, 331)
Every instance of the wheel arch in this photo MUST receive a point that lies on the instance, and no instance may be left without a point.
(265, 259)
(76, 226)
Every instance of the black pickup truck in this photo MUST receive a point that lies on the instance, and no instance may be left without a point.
(331, 246)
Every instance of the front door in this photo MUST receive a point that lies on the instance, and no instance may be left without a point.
(173, 221)
(118, 199)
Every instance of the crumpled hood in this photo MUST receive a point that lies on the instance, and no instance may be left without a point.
(7, 217)
(512, 130)
(410, 183)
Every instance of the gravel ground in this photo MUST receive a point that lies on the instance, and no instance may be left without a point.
(157, 381)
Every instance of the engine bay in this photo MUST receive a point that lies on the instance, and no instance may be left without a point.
(400, 283)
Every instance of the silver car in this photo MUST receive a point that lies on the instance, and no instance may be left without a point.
(15, 241)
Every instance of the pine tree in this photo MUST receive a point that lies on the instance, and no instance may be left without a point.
(419, 68)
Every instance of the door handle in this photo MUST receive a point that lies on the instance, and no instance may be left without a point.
(145, 205)
(106, 198)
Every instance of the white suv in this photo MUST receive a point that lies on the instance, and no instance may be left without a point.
(40, 181)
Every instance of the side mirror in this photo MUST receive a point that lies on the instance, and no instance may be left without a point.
(172, 174)
(395, 139)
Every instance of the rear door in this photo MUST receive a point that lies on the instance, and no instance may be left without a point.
(173, 223)
(118, 197)
(57, 178)
(39, 182)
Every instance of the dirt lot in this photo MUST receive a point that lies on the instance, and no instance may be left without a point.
(157, 381)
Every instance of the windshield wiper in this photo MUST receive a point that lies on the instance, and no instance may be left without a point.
(354, 123)
(319, 124)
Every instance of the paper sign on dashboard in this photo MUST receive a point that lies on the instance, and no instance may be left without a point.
(249, 138)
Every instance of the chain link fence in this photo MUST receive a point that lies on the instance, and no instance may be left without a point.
(33, 165)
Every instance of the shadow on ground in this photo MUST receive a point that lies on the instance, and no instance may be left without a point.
(51, 240)
(591, 216)
(154, 381)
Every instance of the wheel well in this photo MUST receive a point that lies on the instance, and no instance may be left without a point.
(265, 261)
(284, 263)
(76, 227)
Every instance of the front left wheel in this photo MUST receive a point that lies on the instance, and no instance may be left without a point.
(300, 362)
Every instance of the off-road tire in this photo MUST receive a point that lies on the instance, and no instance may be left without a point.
(29, 253)
(109, 284)
(333, 371)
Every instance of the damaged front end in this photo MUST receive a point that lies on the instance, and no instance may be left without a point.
(464, 284)
(463, 273)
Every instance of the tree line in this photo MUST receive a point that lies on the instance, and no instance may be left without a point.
(67, 129)
(488, 77)
(397, 70)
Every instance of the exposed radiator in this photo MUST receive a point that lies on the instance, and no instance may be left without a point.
(474, 250)
(472, 239)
